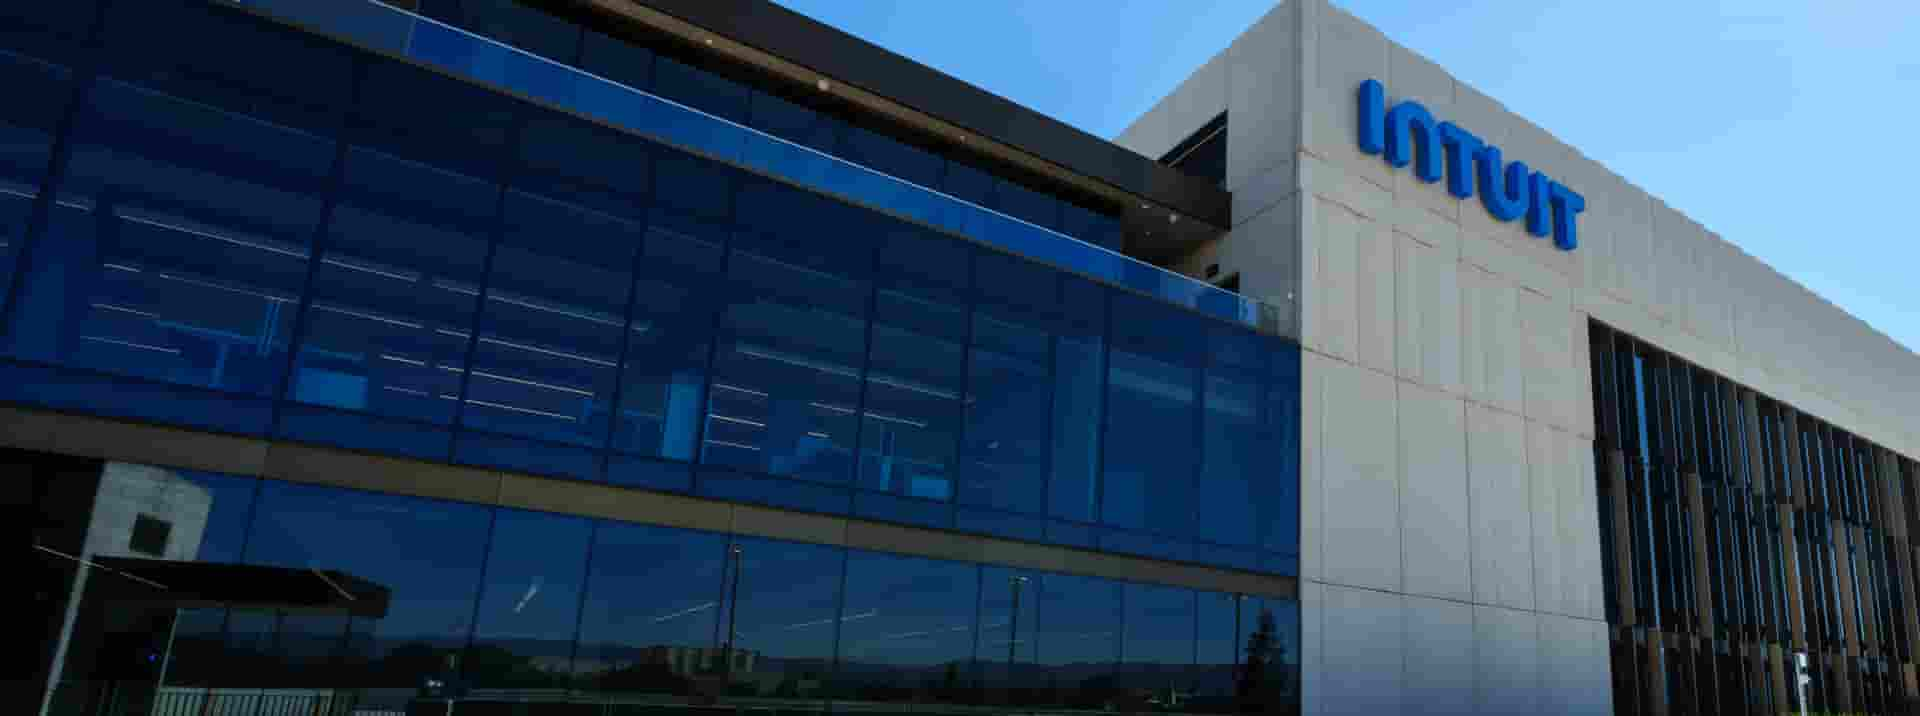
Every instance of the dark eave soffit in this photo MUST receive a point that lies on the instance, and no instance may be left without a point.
(778, 39)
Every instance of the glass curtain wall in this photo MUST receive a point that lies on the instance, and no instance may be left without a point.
(495, 605)
(343, 249)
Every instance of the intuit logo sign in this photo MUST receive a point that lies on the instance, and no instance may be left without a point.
(1408, 133)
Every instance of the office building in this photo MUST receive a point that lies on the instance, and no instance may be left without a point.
(610, 356)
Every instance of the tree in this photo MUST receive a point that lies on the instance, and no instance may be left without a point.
(1256, 691)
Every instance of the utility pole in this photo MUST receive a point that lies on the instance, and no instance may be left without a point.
(1013, 625)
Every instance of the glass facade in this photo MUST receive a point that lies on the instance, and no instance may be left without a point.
(552, 611)
(1740, 533)
(679, 104)
(347, 249)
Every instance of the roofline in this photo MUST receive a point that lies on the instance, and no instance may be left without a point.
(783, 41)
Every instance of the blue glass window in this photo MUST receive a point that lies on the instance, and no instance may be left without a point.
(1020, 202)
(795, 123)
(700, 89)
(891, 156)
(1009, 384)
(427, 553)
(907, 440)
(1090, 226)
(907, 632)
(1009, 646)
(618, 60)
(676, 291)
(1280, 513)
(393, 302)
(1157, 653)
(54, 31)
(1151, 446)
(1079, 387)
(648, 622)
(524, 630)
(1236, 476)
(786, 615)
(551, 329)
(176, 251)
(26, 145)
(1079, 637)
(787, 374)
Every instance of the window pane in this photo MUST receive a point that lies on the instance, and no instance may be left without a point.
(1023, 203)
(787, 376)
(700, 89)
(1079, 385)
(1225, 620)
(528, 29)
(178, 247)
(795, 123)
(617, 60)
(891, 156)
(1235, 477)
(393, 301)
(552, 324)
(428, 553)
(1280, 512)
(529, 606)
(908, 630)
(648, 625)
(1157, 657)
(1150, 450)
(784, 618)
(676, 292)
(914, 366)
(1079, 637)
(1009, 619)
(26, 142)
(1008, 395)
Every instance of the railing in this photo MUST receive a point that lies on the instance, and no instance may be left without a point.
(401, 33)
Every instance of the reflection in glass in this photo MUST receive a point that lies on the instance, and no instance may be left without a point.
(1009, 648)
(529, 607)
(1079, 635)
(648, 623)
(784, 616)
(1156, 670)
(914, 638)
(1150, 452)
(428, 553)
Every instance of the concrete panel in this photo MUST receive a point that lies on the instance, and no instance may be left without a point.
(1502, 526)
(1359, 481)
(1427, 341)
(1412, 77)
(1151, 134)
(1574, 667)
(1547, 379)
(1434, 516)
(1362, 637)
(1582, 518)
(1490, 339)
(1312, 671)
(1374, 304)
(1551, 479)
(1506, 659)
(1200, 98)
(1349, 304)
(1263, 91)
(1580, 359)
(1439, 657)
(136, 442)
(1264, 191)
(1342, 52)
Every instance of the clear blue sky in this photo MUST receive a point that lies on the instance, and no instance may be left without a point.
(1784, 126)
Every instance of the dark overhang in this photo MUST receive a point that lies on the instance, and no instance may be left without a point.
(785, 42)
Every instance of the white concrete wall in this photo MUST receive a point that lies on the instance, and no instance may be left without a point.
(1450, 552)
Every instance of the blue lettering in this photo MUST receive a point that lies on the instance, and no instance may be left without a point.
(1408, 134)
(1373, 117)
(1461, 148)
(1538, 213)
(1507, 202)
(1407, 122)
(1566, 203)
